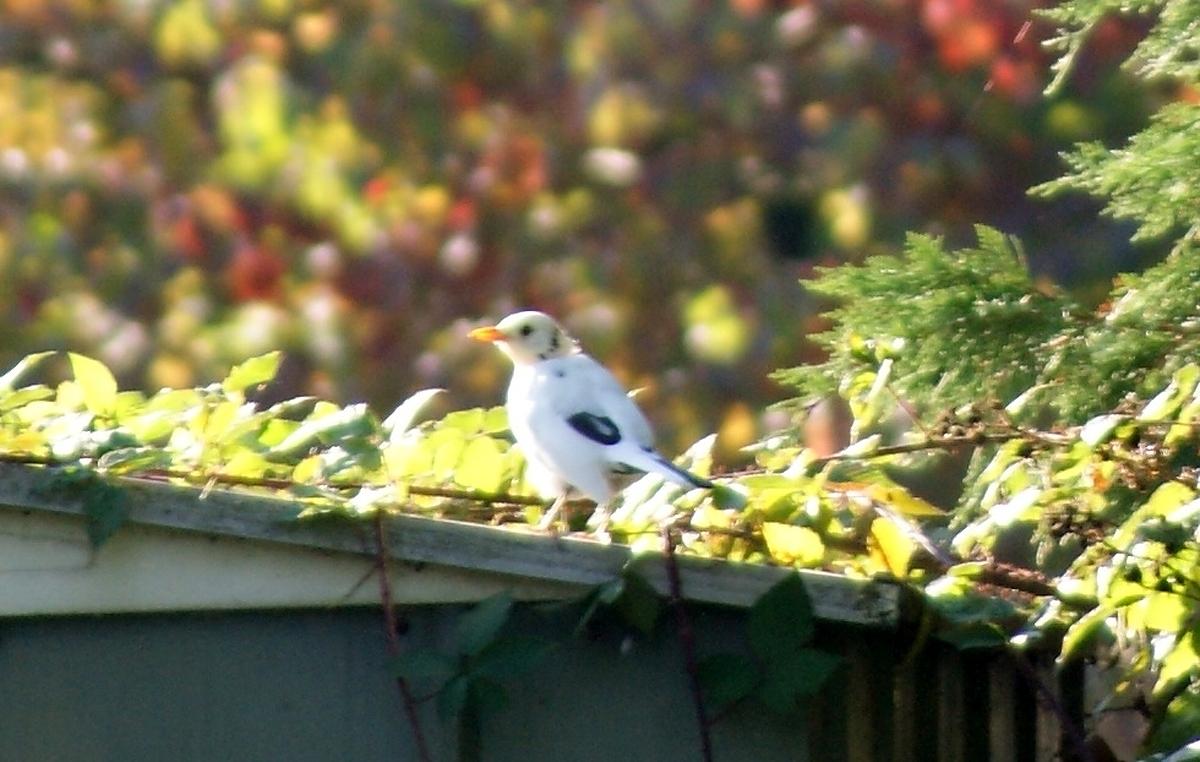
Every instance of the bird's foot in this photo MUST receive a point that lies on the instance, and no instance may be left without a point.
(550, 522)
(601, 518)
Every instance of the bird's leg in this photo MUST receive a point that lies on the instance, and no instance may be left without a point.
(547, 522)
(601, 518)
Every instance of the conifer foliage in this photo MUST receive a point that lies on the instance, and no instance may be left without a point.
(1086, 422)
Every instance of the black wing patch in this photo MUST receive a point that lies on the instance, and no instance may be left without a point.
(597, 428)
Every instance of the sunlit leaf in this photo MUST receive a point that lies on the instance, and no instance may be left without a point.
(276, 431)
(9, 380)
(861, 448)
(900, 499)
(1181, 664)
(127, 459)
(446, 447)
(405, 414)
(1168, 401)
(1179, 725)
(1165, 611)
(495, 420)
(789, 544)
(96, 383)
(1100, 429)
(482, 465)
(329, 428)
(1168, 497)
(894, 544)
(728, 497)
(468, 421)
(1081, 634)
(1021, 507)
(19, 398)
(246, 463)
(253, 372)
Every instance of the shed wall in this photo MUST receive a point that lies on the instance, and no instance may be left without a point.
(312, 686)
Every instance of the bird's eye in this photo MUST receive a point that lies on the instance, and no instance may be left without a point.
(526, 330)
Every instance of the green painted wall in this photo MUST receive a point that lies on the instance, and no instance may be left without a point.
(311, 686)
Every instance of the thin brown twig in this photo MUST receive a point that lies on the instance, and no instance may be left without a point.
(393, 639)
(909, 409)
(687, 641)
(286, 484)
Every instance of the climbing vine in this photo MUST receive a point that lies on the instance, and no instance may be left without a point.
(1089, 530)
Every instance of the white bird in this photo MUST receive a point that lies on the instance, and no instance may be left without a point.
(571, 417)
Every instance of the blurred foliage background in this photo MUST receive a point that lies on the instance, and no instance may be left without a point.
(184, 184)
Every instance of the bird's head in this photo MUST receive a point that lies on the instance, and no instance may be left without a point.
(528, 337)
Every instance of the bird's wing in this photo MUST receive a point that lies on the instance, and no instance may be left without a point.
(593, 402)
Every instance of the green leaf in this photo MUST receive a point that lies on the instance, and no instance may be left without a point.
(1165, 611)
(1179, 666)
(1170, 496)
(1179, 725)
(402, 418)
(895, 496)
(445, 448)
(105, 505)
(1100, 429)
(482, 465)
(12, 400)
(727, 678)
(509, 657)
(973, 635)
(727, 498)
(495, 420)
(467, 421)
(423, 665)
(894, 544)
(639, 603)
(790, 544)
(792, 676)
(96, 383)
(353, 421)
(1169, 400)
(478, 627)
(107, 508)
(781, 620)
(453, 697)
(253, 372)
(1082, 633)
(861, 448)
(486, 695)
(126, 459)
(9, 380)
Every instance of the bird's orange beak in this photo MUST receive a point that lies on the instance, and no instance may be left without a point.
(487, 333)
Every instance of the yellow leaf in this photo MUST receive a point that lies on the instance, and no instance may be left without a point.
(899, 499)
(791, 544)
(893, 544)
(482, 465)
(1164, 611)
(96, 382)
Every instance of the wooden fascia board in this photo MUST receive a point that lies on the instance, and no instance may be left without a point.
(425, 540)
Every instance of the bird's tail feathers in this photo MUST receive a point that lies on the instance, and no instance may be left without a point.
(652, 462)
(687, 476)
